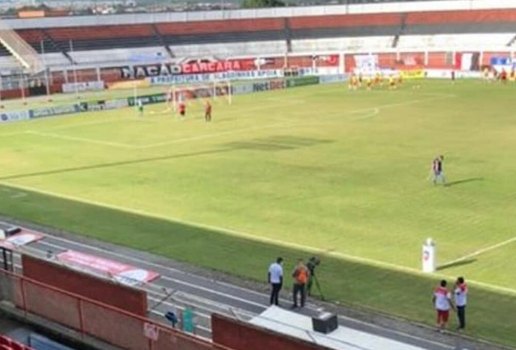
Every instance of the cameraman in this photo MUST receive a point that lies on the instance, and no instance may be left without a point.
(312, 263)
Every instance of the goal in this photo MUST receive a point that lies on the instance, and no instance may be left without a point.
(189, 94)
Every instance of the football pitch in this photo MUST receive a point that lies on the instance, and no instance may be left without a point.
(313, 170)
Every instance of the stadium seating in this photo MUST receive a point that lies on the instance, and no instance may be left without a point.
(231, 49)
(454, 41)
(135, 55)
(7, 343)
(347, 44)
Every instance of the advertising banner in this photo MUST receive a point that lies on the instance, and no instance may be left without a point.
(204, 78)
(329, 79)
(242, 88)
(83, 86)
(123, 273)
(302, 81)
(50, 111)
(412, 74)
(14, 116)
(148, 99)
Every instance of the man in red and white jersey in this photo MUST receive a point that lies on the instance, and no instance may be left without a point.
(461, 299)
(443, 303)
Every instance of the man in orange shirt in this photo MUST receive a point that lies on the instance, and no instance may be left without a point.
(301, 276)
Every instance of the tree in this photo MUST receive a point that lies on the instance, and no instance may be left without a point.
(262, 3)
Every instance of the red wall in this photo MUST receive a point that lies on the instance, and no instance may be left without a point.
(107, 292)
(238, 335)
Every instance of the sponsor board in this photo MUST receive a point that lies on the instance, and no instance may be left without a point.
(447, 73)
(125, 274)
(302, 81)
(14, 116)
(242, 88)
(204, 78)
(412, 74)
(102, 105)
(83, 86)
(50, 111)
(329, 79)
(273, 84)
(147, 99)
(20, 239)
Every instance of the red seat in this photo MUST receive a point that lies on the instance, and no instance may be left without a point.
(5, 341)
(17, 346)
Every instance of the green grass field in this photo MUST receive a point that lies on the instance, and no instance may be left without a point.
(316, 169)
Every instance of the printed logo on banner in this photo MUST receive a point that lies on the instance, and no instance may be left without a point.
(14, 116)
(151, 331)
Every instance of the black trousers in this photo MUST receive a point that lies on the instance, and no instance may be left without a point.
(276, 287)
(461, 313)
(299, 289)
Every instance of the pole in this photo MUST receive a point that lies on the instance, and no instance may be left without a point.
(22, 87)
(42, 43)
(74, 72)
(1, 89)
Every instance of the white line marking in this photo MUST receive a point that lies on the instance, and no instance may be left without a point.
(258, 238)
(480, 251)
(80, 139)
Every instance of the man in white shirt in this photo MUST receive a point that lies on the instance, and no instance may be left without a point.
(442, 303)
(275, 278)
(461, 299)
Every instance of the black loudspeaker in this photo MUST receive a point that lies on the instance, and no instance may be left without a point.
(11, 231)
(325, 323)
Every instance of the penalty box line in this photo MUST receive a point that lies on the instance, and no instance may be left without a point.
(256, 238)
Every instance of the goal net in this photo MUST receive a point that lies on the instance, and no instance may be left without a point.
(191, 94)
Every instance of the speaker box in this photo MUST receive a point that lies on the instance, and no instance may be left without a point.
(11, 231)
(325, 323)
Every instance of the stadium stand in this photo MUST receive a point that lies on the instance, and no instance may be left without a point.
(7, 343)
(136, 55)
(293, 34)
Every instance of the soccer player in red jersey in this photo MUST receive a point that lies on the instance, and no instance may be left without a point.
(207, 111)
(503, 76)
(442, 303)
(182, 109)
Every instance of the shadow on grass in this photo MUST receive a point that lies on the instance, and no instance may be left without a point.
(350, 282)
(456, 264)
(464, 181)
(114, 164)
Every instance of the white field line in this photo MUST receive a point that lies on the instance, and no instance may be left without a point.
(80, 139)
(247, 235)
(480, 251)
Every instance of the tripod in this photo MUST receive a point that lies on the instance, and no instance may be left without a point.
(317, 285)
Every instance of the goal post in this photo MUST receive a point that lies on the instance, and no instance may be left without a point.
(188, 94)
